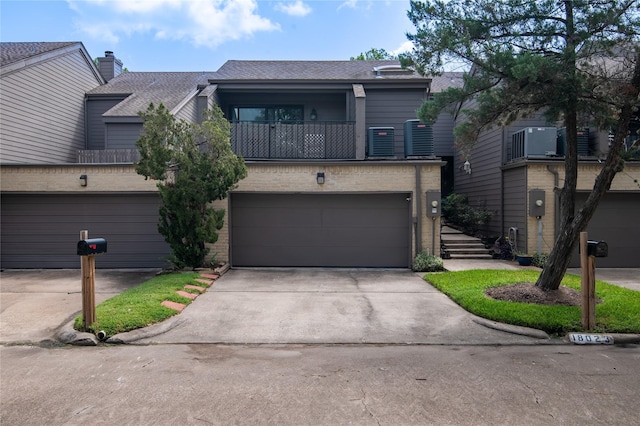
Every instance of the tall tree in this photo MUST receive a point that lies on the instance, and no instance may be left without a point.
(373, 54)
(194, 165)
(576, 60)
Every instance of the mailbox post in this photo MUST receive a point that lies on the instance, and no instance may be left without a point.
(87, 249)
(589, 250)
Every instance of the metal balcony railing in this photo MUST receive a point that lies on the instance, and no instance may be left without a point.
(108, 156)
(306, 140)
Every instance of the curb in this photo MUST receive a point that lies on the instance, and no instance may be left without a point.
(513, 329)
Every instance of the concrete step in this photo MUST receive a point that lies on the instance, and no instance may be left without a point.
(470, 256)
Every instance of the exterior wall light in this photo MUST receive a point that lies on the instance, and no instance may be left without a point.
(83, 180)
(314, 115)
(320, 178)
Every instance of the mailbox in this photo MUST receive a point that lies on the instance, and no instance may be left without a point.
(597, 248)
(92, 246)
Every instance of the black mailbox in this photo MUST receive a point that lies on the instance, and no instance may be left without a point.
(597, 248)
(92, 246)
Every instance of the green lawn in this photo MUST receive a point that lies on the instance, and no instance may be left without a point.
(140, 306)
(619, 311)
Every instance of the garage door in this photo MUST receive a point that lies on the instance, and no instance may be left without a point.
(616, 221)
(320, 230)
(41, 231)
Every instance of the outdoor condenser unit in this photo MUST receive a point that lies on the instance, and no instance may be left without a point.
(418, 138)
(583, 141)
(534, 142)
(381, 141)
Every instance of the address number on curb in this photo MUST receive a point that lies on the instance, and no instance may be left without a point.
(590, 339)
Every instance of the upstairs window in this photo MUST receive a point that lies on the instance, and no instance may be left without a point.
(271, 114)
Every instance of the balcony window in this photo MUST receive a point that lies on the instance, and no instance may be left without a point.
(271, 114)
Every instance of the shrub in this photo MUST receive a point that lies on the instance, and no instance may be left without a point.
(539, 259)
(425, 262)
(457, 211)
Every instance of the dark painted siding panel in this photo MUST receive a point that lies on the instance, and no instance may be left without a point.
(484, 185)
(41, 231)
(391, 108)
(515, 204)
(443, 135)
(189, 112)
(320, 230)
(42, 110)
(95, 123)
(122, 135)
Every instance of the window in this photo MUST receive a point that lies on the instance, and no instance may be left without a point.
(277, 114)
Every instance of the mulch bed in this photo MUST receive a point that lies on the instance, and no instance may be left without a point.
(529, 293)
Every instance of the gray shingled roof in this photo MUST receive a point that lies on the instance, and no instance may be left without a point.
(446, 80)
(354, 71)
(11, 52)
(170, 88)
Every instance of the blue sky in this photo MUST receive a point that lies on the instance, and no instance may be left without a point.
(200, 35)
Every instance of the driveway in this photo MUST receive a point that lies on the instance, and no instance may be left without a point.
(324, 307)
(34, 303)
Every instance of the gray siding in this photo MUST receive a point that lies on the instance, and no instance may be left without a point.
(122, 135)
(443, 135)
(189, 112)
(42, 110)
(391, 108)
(515, 204)
(484, 185)
(95, 123)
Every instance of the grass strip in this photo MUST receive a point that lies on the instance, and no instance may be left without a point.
(619, 311)
(140, 306)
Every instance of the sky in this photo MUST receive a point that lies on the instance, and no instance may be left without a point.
(200, 35)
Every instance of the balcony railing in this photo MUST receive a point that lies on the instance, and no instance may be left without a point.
(308, 140)
(108, 156)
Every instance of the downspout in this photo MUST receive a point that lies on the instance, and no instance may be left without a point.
(418, 219)
(556, 182)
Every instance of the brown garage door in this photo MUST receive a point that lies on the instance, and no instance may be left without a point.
(41, 231)
(616, 221)
(320, 230)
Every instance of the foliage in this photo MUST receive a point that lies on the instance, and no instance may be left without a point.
(502, 249)
(617, 313)
(540, 259)
(425, 262)
(194, 165)
(373, 54)
(457, 211)
(577, 61)
(140, 306)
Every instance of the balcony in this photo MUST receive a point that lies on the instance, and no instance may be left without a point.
(310, 140)
(108, 156)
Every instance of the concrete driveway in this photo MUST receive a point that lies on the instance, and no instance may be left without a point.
(35, 303)
(323, 307)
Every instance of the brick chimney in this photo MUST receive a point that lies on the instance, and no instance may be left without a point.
(109, 66)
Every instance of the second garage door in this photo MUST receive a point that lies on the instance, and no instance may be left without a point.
(320, 230)
(615, 221)
(41, 231)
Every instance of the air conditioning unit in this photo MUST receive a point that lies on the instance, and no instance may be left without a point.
(534, 142)
(381, 142)
(418, 138)
(583, 141)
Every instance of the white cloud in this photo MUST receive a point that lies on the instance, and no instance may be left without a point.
(206, 23)
(405, 47)
(297, 8)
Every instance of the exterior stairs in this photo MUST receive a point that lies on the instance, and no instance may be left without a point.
(456, 245)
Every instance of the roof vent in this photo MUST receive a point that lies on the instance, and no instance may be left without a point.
(391, 69)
